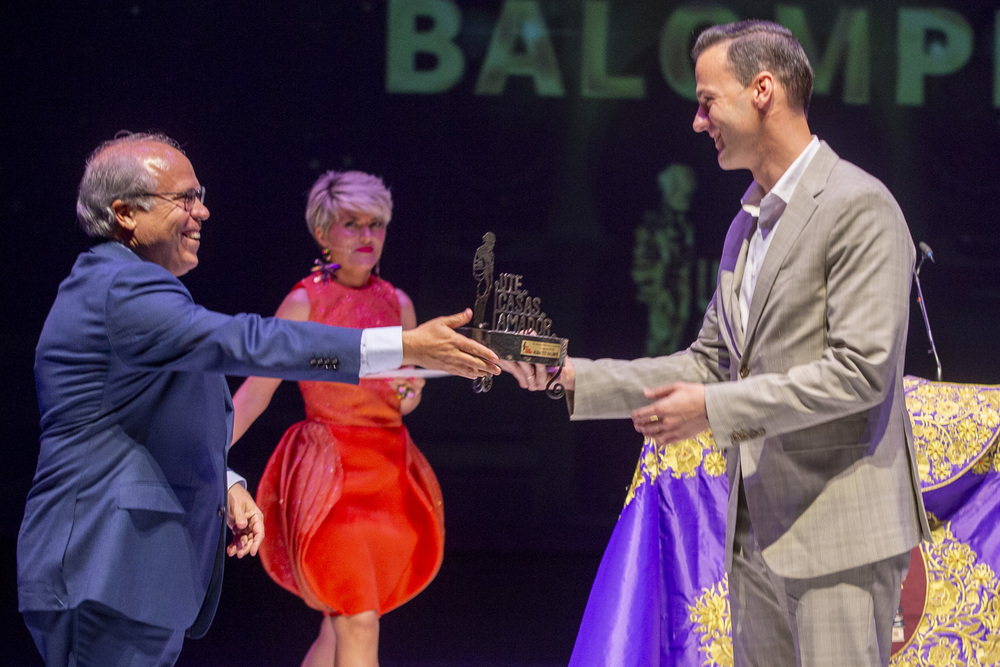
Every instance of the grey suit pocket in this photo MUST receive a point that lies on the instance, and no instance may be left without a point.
(155, 497)
(849, 432)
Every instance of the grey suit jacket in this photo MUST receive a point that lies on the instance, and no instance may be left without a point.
(808, 402)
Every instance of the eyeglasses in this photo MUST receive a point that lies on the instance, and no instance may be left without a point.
(186, 198)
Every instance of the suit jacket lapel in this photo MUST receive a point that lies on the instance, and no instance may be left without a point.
(793, 222)
(731, 280)
(733, 294)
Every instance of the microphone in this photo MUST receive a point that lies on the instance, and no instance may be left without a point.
(926, 253)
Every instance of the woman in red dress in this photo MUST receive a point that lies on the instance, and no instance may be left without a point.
(352, 510)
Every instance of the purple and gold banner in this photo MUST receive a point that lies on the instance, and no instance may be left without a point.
(661, 596)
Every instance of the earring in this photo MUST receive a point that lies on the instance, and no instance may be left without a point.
(325, 269)
(375, 270)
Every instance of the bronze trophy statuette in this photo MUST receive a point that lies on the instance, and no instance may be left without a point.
(519, 330)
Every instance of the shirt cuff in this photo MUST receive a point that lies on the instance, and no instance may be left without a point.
(381, 350)
(233, 477)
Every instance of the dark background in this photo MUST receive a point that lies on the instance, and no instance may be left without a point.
(266, 96)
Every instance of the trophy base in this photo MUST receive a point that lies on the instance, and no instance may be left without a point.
(510, 346)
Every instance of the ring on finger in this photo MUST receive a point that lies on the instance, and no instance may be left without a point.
(653, 418)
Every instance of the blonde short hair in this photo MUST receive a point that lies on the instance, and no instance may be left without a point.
(340, 193)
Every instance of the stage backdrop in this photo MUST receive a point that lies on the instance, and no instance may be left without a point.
(564, 126)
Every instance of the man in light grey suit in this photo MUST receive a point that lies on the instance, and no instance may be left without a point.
(797, 369)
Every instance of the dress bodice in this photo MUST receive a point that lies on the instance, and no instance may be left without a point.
(371, 402)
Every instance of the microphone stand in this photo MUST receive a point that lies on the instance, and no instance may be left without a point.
(923, 311)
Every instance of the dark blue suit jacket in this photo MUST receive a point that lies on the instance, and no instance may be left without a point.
(128, 502)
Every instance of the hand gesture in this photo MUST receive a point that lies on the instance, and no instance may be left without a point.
(409, 392)
(677, 413)
(435, 345)
(535, 377)
(246, 521)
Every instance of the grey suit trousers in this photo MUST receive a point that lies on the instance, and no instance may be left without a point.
(842, 619)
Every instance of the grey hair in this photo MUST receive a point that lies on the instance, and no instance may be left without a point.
(111, 175)
(339, 193)
(755, 46)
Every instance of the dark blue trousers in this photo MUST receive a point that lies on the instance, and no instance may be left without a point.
(94, 635)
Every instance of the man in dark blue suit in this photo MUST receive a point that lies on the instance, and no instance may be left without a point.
(120, 552)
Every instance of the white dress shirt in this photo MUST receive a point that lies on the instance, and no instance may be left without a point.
(767, 208)
(381, 350)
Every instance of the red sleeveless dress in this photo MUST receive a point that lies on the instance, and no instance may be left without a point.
(353, 514)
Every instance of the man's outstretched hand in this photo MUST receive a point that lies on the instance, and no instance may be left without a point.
(434, 344)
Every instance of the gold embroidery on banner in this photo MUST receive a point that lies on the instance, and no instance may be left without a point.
(710, 615)
(955, 429)
(681, 460)
(960, 625)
